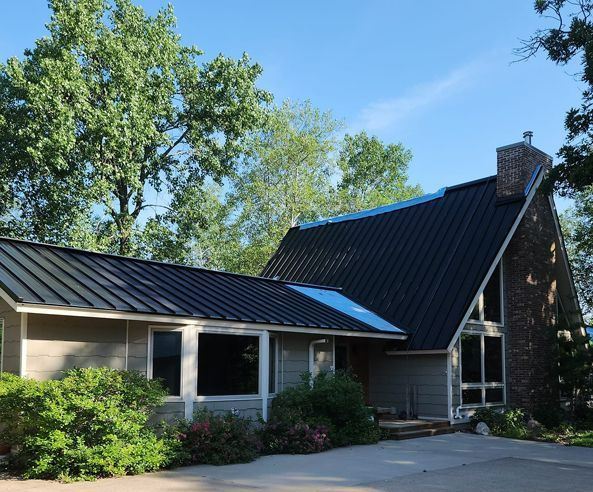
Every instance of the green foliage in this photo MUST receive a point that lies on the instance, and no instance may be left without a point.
(550, 414)
(92, 423)
(507, 423)
(577, 226)
(215, 439)
(108, 109)
(331, 408)
(567, 40)
(284, 179)
(372, 174)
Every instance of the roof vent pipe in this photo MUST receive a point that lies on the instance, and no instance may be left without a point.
(527, 136)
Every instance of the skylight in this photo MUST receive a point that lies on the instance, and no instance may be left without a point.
(341, 303)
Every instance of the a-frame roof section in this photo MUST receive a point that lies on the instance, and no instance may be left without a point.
(418, 266)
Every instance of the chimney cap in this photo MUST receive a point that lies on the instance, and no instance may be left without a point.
(527, 136)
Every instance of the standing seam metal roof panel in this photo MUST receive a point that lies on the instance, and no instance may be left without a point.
(34, 273)
(419, 266)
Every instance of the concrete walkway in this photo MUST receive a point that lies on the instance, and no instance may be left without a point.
(457, 462)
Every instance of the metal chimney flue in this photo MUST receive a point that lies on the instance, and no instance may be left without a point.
(527, 136)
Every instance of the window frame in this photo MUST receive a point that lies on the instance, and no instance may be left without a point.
(149, 365)
(483, 385)
(189, 348)
(481, 321)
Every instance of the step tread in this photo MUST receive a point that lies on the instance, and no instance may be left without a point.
(421, 433)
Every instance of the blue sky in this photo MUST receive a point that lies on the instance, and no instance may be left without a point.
(436, 76)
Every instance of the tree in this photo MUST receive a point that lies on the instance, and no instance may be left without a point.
(577, 225)
(570, 39)
(104, 111)
(283, 180)
(373, 174)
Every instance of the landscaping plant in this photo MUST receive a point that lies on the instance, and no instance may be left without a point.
(324, 411)
(91, 423)
(215, 439)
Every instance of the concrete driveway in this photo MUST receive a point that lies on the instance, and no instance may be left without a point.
(459, 462)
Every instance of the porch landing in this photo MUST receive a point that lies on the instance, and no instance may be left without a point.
(410, 429)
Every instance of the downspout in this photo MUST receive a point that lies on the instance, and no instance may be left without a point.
(312, 355)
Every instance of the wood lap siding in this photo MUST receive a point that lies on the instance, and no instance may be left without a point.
(57, 343)
(12, 338)
(389, 376)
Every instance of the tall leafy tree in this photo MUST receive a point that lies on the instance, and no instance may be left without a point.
(108, 109)
(284, 180)
(577, 224)
(570, 40)
(372, 174)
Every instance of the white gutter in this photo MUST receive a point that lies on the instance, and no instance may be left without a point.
(188, 320)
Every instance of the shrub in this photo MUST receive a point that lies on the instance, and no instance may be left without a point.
(92, 423)
(550, 415)
(311, 417)
(508, 423)
(215, 439)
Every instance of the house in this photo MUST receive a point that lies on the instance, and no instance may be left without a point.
(439, 305)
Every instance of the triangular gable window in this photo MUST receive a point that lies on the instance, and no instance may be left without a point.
(488, 308)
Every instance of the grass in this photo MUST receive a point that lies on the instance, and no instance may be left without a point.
(570, 437)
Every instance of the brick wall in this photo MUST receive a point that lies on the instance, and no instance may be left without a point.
(530, 283)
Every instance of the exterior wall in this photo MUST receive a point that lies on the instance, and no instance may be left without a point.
(56, 343)
(390, 375)
(11, 351)
(531, 293)
(294, 357)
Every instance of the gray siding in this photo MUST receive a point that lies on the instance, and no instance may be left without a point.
(12, 338)
(138, 346)
(170, 411)
(294, 357)
(245, 408)
(57, 343)
(391, 374)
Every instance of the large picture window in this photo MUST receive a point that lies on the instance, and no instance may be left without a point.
(228, 364)
(482, 369)
(166, 360)
(488, 308)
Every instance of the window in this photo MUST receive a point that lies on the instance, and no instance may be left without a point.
(272, 380)
(166, 360)
(482, 372)
(228, 364)
(488, 308)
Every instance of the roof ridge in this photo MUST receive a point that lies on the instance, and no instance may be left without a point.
(392, 207)
(166, 264)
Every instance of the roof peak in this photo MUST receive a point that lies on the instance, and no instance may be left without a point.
(393, 206)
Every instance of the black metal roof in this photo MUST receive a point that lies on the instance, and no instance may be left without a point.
(35, 273)
(418, 266)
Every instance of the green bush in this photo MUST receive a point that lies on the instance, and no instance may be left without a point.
(309, 418)
(508, 423)
(92, 423)
(215, 439)
(550, 415)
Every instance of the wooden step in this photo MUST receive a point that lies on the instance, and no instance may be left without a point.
(422, 433)
(409, 429)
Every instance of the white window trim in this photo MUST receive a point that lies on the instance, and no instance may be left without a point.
(482, 321)
(189, 364)
(151, 330)
(483, 385)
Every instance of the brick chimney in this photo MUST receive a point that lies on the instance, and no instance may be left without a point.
(515, 165)
(529, 280)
